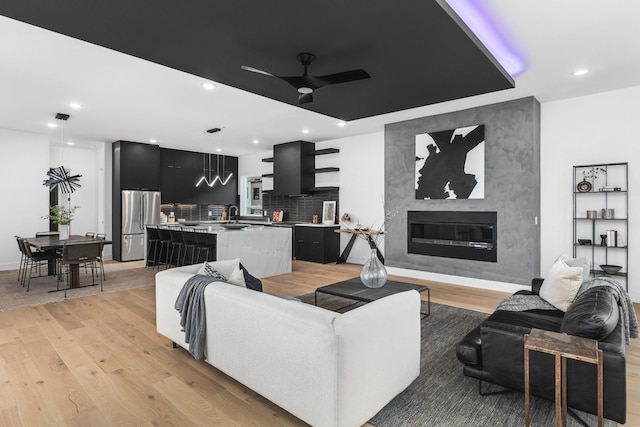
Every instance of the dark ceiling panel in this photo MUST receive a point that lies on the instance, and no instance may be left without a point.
(414, 50)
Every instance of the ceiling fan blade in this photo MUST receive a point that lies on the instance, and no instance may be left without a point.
(255, 70)
(344, 77)
(305, 98)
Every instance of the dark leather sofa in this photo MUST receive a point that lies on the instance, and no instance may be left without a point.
(494, 351)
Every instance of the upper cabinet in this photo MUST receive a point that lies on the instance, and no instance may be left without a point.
(136, 166)
(182, 170)
(293, 168)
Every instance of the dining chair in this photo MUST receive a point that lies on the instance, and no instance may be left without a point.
(35, 260)
(23, 258)
(77, 254)
(100, 258)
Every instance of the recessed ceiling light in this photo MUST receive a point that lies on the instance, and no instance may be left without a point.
(581, 72)
(255, 141)
(218, 150)
(305, 131)
(208, 86)
(75, 105)
(342, 124)
(70, 143)
(52, 125)
(153, 141)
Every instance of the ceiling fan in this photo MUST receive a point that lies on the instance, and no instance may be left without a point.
(306, 84)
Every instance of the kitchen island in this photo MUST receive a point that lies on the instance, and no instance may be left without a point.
(264, 251)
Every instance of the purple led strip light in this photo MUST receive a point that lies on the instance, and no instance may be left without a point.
(488, 33)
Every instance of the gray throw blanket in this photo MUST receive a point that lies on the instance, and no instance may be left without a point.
(193, 316)
(534, 302)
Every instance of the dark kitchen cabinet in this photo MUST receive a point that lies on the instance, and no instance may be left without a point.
(317, 244)
(293, 168)
(136, 166)
(181, 171)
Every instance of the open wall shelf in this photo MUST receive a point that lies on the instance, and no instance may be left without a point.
(600, 217)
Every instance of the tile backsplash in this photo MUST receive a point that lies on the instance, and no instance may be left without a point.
(300, 208)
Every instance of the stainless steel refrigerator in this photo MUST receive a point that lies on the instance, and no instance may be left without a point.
(139, 208)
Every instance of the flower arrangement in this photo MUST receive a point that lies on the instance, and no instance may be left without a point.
(61, 215)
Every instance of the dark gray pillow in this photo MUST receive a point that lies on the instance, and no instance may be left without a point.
(251, 282)
(593, 314)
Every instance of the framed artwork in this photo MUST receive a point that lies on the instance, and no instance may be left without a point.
(329, 212)
(450, 164)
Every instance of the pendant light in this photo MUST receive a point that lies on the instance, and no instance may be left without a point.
(208, 181)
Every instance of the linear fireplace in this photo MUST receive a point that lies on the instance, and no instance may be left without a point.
(453, 234)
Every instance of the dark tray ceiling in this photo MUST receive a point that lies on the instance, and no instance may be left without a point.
(415, 50)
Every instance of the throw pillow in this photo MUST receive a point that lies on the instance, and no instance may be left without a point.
(251, 282)
(208, 270)
(561, 285)
(237, 278)
(578, 262)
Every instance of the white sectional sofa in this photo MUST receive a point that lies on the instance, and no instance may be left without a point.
(327, 369)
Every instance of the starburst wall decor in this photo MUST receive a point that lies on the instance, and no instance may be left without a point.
(60, 177)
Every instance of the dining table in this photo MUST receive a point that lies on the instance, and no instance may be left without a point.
(54, 243)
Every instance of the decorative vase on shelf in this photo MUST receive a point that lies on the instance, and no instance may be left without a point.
(63, 231)
(373, 274)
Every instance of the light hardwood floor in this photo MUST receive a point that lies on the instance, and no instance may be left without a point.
(98, 361)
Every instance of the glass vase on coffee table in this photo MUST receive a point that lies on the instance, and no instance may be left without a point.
(373, 274)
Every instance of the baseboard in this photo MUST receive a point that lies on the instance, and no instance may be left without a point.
(457, 280)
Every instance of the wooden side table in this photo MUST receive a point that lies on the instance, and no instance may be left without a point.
(563, 347)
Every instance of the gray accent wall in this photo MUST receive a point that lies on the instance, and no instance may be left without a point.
(512, 189)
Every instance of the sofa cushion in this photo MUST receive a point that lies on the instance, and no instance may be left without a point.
(561, 285)
(549, 320)
(251, 281)
(594, 314)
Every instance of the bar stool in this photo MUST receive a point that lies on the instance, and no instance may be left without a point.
(153, 240)
(165, 245)
(188, 243)
(176, 242)
(203, 242)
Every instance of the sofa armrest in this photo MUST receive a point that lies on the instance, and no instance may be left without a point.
(379, 354)
(536, 283)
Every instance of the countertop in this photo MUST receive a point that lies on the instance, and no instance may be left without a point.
(250, 222)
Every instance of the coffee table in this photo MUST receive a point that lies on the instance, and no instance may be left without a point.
(353, 289)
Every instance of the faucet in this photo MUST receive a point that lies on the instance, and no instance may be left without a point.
(230, 208)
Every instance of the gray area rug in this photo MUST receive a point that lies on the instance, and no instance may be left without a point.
(120, 276)
(442, 395)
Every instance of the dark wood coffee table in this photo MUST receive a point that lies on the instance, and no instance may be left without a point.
(353, 289)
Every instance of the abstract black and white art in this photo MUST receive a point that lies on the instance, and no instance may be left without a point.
(450, 164)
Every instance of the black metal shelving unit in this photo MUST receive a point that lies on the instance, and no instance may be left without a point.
(597, 187)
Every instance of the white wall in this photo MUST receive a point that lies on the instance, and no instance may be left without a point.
(25, 160)
(600, 128)
(79, 162)
(361, 182)
(23, 166)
